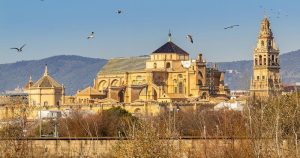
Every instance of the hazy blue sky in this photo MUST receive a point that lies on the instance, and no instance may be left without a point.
(56, 27)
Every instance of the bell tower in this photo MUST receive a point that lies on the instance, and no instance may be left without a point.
(266, 77)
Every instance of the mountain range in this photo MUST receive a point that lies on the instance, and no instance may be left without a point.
(77, 72)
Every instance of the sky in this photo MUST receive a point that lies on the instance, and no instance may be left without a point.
(60, 27)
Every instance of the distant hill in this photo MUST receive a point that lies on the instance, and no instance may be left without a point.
(238, 73)
(75, 72)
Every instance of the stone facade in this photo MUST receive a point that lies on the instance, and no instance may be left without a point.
(168, 74)
(266, 79)
(88, 95)
(45, 92)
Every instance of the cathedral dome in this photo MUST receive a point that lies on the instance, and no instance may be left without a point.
(170, 47)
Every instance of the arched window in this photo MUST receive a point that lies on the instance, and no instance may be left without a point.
(114, 82)
(102, 85)
(260, 60)
(256, 61)
(262, 43)
(180, 87)
(168, 65)
(204, 95)
(265, 61)
(200, 83)
(121, 95)
(269, 43)
(45, 103)
(154, 65)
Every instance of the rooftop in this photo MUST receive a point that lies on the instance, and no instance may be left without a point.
(89, 91)
(46, 81)
(122, 65)
(170, 47)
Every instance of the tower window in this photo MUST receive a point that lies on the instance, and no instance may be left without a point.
(260, 60)
(154, 65)
(263, 77)
(262, 43)
(180, 87)
(168, 65)
(257, 77)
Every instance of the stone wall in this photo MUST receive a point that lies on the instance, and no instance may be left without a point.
(102, 147)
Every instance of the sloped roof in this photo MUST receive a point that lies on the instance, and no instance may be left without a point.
(46, 81)
(27, 85)
(170, 47)
(89, 91)
(122, 65)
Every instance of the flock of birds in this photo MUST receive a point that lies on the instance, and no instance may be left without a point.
(188, 36)
(274, 13)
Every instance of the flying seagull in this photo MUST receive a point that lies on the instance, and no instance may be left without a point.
(119, 11)
(19, 49)
(190, 38)
(230, 27)
(91, 36)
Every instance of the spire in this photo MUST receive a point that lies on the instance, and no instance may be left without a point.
(170, 36)
(30, 79)
(46, 70)
(265, 29)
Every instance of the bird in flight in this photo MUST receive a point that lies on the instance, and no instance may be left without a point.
(91, 36)
(190, 38)
(230, 27)
(119, 11)
(19, 49)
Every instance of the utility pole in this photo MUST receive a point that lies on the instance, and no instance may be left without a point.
(55, 128)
